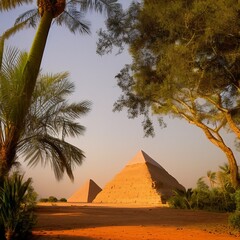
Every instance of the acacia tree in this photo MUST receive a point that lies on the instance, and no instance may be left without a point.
(185, 63)
(48, 10)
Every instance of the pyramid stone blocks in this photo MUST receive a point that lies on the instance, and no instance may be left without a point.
(142, 181)
(86, 193)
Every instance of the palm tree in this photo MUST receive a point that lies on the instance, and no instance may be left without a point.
(48, 11)
(49, 120)
(181, 199)
(211, 177)
(53, 119)
(224, 178)
(13, 200)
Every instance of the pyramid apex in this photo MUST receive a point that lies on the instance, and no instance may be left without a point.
(142, 157)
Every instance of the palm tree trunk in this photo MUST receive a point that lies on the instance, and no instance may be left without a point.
(34, 60)
(9, 234)
(29, 77)
(3, 164)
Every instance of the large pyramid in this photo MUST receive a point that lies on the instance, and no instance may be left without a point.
(142, 181)
(86, 193)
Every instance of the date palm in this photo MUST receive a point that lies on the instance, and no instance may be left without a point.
(49, 120)
(224, 178)
(211, 178)
(14, 204)
(48, 10)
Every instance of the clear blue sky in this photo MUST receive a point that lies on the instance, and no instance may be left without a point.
(111, 139)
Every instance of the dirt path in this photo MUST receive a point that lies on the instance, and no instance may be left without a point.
(115, 223)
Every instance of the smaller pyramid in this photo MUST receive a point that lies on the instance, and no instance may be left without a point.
(86, 193)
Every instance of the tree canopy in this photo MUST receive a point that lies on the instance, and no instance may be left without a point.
(185, 63)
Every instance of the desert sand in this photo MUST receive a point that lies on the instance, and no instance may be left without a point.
(92, 221)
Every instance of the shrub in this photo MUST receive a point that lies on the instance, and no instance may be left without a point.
(43, 200)
(62, 200)
(181, 199)
(234, 220)
(237, 199)
(17, 202)
(52, 199)
(220, 197)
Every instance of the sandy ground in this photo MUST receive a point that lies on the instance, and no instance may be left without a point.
(72, 222)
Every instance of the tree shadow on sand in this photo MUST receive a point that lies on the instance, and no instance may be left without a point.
(59, 236)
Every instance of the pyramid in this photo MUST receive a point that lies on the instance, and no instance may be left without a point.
(86, 193)
(141, 181)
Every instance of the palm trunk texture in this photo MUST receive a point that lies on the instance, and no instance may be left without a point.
(29, 77)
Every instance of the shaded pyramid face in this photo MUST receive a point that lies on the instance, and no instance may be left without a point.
(86, 193)
(142, 181)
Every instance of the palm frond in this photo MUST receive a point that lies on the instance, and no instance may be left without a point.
(30, 17)
(101, 6)
(73, 20)
(10, 85)
(12, 200)
(6, 5)
(225, 168)
(61, 155)
(51, 113)
(11, 31)
(50, 118)
(72, 129)
(76, 110)
(55, 86)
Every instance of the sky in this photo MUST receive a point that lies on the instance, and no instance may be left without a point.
(111, 139)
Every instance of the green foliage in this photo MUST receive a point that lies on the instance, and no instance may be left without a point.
(17, 202)
(218, 198)
(234, 220)
(53, 120)
(49, 121)
(237, 199)
(5, 5)
(181, 199)
(52, 199)
(69, 13)
(43, 200)
(62, 200)
(187, 68)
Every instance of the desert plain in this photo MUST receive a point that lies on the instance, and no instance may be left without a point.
(115, 222)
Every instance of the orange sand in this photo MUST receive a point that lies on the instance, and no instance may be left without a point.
(129, 223)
